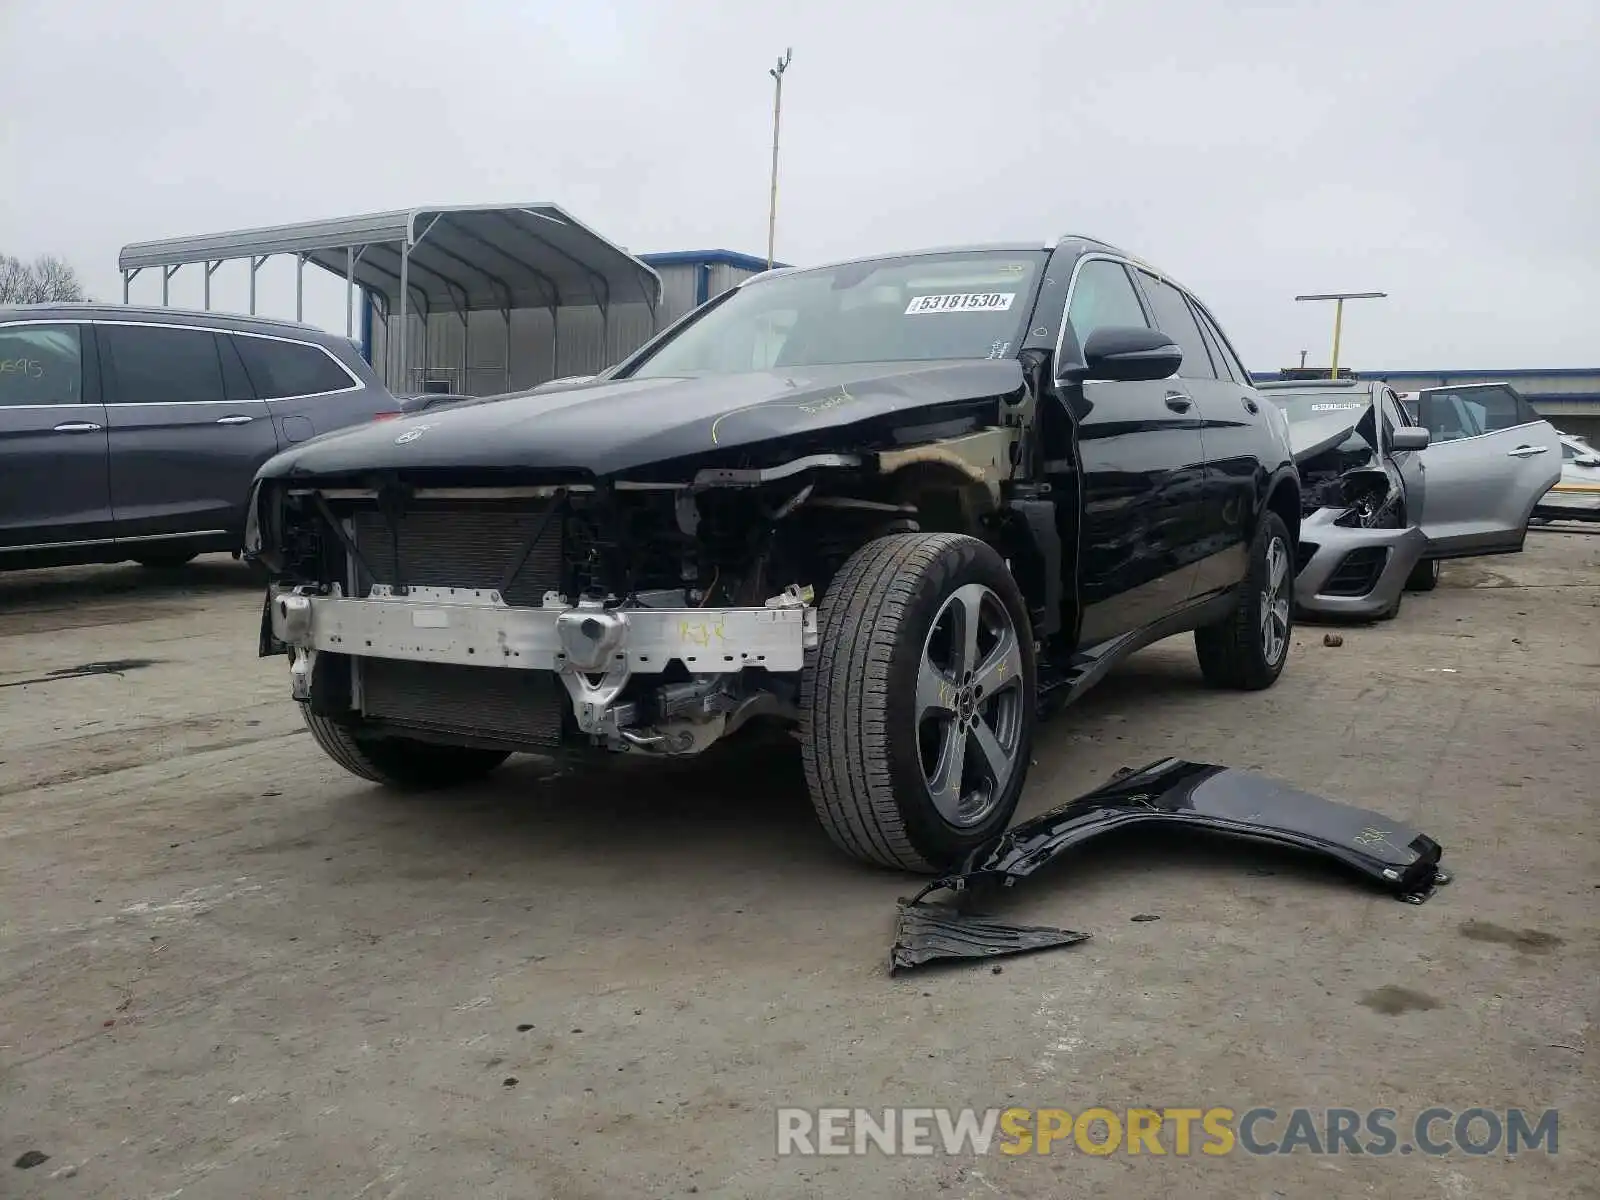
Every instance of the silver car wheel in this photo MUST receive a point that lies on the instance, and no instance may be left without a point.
(1275, 603)
(969, 707)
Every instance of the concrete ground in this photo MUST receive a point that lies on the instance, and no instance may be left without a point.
(227, 969)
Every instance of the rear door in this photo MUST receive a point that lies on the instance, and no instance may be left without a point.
(1143, 474)
(308, 390)
(53, 483)
(186, 434)
(1228, 414)
(1491, 459)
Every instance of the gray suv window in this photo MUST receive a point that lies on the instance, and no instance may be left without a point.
(279, 369)
(155, 365)
(41, 364)
(1451, 414)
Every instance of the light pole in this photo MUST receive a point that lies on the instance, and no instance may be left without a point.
(777, 111)
(1338, 317)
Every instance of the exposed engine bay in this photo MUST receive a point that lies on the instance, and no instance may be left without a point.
(1342, 468)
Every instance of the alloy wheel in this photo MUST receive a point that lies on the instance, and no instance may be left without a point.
(1275, 603)
(970, 705)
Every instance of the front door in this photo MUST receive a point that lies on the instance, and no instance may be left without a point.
(1410, 463)
(53, 482)
(1490, 460)
(186, 437)
(1143, 475)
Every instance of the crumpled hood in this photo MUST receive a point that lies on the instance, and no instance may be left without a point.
(1316, 435)
(612, 426)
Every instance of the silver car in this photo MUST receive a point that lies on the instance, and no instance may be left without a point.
(1576, 495)
(1385, 498)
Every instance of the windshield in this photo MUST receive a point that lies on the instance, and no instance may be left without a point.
(969, 304)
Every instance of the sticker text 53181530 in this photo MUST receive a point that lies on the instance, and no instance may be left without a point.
(961, 302)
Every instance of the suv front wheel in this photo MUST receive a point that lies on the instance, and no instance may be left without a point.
(918, 704)
(1247, 650)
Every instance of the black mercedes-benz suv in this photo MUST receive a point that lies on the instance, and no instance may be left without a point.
(895, 502)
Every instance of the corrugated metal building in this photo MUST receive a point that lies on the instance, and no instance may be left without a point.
(470, 357)
(474, 299)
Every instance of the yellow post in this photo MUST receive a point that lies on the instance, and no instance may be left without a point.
(1338, 325)
(1338, 317)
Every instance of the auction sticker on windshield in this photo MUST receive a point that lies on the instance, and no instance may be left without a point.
(961, 302)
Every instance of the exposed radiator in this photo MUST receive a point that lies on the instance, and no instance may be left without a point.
(464, 547)
(521, 706)
(473, 547)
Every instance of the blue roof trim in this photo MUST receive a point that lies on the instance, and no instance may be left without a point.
(1507, 373)
(724, 258)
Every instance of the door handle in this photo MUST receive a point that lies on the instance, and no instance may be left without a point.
(77, 427)
(1178, 402)
(1527, 451)
(234, 420)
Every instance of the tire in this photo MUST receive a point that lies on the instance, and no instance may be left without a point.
(881, 702)
(1234, 653)
(1424, 576)
(169, 560)
(401, 763)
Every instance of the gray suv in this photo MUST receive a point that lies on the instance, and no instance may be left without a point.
(134, 433)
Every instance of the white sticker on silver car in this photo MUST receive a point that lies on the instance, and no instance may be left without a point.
(1335, 407)
(961, 302)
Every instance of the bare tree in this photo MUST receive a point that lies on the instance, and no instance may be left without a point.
(46, 280)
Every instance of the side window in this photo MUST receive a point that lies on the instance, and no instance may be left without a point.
(156, 365)
(1214, 348)
(1103, 296)
(280, 369)
(1392, 416)
(1452, 413)
(235, 383)
(1175, 319)
(1227, 361)
(41, 364)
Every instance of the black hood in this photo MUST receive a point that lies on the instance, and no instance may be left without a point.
(612, 426)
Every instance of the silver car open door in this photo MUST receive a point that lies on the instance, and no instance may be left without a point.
(1490, 460)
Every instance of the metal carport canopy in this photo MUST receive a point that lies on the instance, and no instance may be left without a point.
(457, 258)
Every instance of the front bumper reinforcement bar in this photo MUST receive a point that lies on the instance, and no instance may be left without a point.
(593, 649)
(475, 628)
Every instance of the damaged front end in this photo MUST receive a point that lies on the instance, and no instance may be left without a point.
(656, 613)
(1357, 541)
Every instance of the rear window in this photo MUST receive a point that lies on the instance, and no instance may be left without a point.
(1309, 406)
(279, 369)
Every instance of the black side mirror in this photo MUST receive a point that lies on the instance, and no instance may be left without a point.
(1127, 354)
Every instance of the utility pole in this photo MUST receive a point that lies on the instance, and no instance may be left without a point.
(777, 111)
(1338, 318)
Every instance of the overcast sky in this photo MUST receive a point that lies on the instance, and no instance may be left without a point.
(1443, 151)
